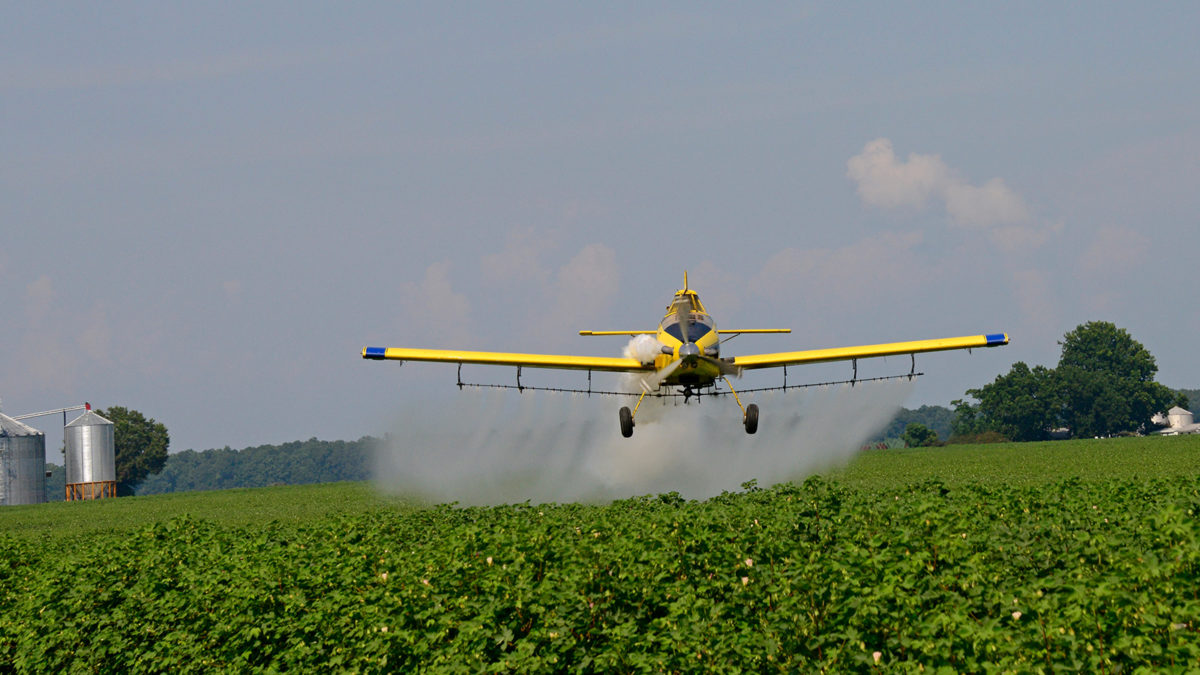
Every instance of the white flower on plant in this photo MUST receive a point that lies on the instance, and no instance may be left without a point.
(383, 576)
(489, 560)
(877, 656)
(1016, 616)
(745, 580)
(749, 562)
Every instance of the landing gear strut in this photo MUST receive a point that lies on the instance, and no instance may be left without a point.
(749, 411)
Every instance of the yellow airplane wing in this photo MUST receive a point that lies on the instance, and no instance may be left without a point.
(868, 351)
(600, 363)
(723, 331)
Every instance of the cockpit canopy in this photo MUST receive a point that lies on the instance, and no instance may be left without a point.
(698, 325)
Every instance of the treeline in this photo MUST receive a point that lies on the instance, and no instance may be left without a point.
(1104, 385)
(295, 463)
(934, 417)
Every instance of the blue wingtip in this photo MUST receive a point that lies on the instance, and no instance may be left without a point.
(373, 352)
(996, 339)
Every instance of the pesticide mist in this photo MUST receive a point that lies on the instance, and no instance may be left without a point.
(483, 447)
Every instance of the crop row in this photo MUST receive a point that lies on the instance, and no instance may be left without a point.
(1073, 576)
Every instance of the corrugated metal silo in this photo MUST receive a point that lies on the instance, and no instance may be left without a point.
(22, 463)
(91, 458)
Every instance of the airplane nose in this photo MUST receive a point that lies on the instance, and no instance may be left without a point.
(689, 349)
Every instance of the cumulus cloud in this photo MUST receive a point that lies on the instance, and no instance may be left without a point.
(585, 287)
(992, 203)
(885, 182)
(433, 305)
(521, 257)
(1013, 238)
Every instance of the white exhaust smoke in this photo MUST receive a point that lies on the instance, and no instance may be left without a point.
(643, 348)
(490, 447)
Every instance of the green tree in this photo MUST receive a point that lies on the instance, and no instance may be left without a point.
(1106, 379)
(919, 436)
(936, 417)
(968, 421)
(1183, 397)
(141, 446)
(1023, 405)
(1103, 385)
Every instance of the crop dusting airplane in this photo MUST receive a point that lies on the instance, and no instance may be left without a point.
(684, 358)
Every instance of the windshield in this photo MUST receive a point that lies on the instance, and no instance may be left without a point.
(698, 325)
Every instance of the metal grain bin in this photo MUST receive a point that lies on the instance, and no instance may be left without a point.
(22, 463)
(91, 457)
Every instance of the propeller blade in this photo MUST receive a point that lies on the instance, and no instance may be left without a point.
(652, 381)
(683, 318)
(724, 367)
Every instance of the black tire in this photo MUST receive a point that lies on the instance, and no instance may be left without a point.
(751, 420)
(626, 423)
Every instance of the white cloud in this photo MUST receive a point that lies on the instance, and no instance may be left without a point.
(521, 258)
(994, 203)
(884, 182)
(434, 309)
(1013, 238)
(585, 287)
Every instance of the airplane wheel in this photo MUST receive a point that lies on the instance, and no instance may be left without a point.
(751, 418)
(626, 423)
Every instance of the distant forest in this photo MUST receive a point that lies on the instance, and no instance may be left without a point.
(295, 463)
(1193, 396)
(940, 418)
(315, 461)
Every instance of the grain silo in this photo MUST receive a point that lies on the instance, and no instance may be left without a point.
(91, 457)
(22, 463)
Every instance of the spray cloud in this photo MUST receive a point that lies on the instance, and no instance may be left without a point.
(485, 447)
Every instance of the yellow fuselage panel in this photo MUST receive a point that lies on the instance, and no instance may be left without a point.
(694, 372)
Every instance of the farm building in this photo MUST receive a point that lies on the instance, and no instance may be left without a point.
(1177, 421)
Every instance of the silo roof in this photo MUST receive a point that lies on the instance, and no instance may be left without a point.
(11, 427)
(88, 419)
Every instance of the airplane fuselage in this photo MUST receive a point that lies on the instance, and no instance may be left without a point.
(687, 333)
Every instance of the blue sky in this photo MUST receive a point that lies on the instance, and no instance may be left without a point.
(209, 209)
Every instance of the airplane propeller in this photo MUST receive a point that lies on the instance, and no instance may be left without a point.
(652, 381)
(683, 318)
(682, 309)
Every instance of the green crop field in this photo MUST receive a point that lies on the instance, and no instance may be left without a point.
(1072, 556)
